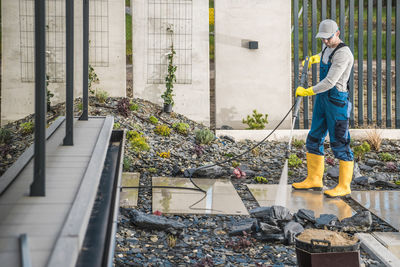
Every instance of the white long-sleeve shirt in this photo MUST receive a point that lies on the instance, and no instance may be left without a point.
(339, 72)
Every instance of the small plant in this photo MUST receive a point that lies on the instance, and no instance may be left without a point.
(198, 149)
(359, 151)
(171, 240)
(330, 161)
(229, 155)
(255, 151)
(374, 139)
(391, 166)
(294, 161)
(5, 135)
(92, 79)
(153, 120)
(101, 96)
(181, 127)
(137, 141)
(290, 172)
(239, 173)
(80, 106)
(133, 106)
(386, 157)
(261, 180)
(240, 243)
(235, 164)
(204, 136)
(152, 170)
(123, 107)
(165, 155)
(27, 127)
(256, 121)
(162, 130)
(167, 96)
(49, 94)
(117, 125)
(298, 143)
(126, 164)
(397, 182)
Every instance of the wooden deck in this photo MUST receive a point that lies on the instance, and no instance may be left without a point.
(56, 224)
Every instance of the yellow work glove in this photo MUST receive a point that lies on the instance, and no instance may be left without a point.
(313, 59)
(301, 91)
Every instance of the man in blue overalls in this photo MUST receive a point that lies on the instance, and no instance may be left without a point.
(330, 113)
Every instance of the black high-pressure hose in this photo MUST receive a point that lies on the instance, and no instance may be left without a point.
(188, 173)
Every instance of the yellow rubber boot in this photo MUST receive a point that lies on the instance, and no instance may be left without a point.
(345, 177)
(315, 172)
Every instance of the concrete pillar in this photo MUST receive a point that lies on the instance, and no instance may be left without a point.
(248, 79)
(150, 43)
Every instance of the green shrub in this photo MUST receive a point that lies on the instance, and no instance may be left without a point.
(298, 143)
(256, 121)
(133, 106)
(127, 164)
(153, 120)
(386, 157)
(137, 141)
(294, 161)
(261, 180)
(101, 96)
(235, 164)
(5, 135)
(152, 170)
(117, 125)
(181, 127)
(27, 127)
(359, 151)
(163, 130)
(204, 136)
(80, 106)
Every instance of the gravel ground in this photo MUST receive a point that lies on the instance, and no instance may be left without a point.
(205, 241)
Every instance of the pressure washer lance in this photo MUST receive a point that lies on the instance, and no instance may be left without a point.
(280, 199)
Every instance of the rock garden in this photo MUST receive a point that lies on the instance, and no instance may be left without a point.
(171, 145)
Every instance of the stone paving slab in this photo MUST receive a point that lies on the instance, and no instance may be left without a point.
(391, 240)
(384, 204)
(221, 197)
(129, 196)
(265, 195)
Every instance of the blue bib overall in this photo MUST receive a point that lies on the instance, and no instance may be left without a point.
(331, 114)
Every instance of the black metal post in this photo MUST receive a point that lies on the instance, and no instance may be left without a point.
(69, 102)
(38, 187)
(305, 53)
(388, 64)
(369, 62)
(85, 93)
(296, 50)
(351, 45)
(379, 63)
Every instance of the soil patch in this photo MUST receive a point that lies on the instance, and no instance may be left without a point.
(336, 238)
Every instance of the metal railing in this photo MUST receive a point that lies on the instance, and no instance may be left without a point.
(366, 26)
(39, 181)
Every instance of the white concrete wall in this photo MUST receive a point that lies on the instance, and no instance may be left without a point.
(17, 97)
(191, 100)
(252, 79)
(113, 77)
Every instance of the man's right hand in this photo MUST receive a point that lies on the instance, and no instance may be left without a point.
(313, 59)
